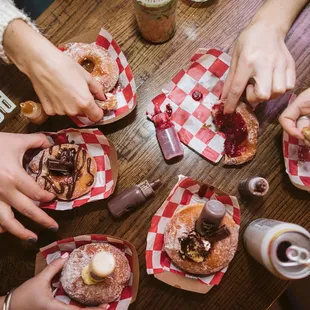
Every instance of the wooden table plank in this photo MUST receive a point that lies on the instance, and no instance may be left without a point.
(247, 285)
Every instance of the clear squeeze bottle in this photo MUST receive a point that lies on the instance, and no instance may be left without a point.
(167, 136)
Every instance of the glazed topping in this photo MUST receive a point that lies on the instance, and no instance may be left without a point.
(56, 166)
(193, 247)
(260, 186)
(88, 65)
(234, 128)
(197, 95)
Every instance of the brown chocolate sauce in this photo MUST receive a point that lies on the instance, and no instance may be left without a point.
(67, 156)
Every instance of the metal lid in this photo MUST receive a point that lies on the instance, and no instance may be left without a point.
(154, 3)
(279, 250)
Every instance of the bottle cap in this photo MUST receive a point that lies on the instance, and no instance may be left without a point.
(210, 217)
(102, 265)
(156, 184)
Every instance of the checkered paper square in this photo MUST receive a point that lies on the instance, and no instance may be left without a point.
(184, 193)
(126, 93)
(56, 249)
(98, 146)
(296, 159)
(205, 73)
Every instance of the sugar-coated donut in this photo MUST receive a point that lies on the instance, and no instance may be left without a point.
(221, 252)
(97, 61)
(103, 292)
(78, 181)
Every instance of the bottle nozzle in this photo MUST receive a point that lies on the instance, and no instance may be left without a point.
(156, 184)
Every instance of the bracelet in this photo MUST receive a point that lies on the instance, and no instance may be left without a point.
(7, 300)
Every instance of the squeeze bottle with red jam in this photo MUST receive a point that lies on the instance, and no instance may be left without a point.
(132, 198)
(167, 136)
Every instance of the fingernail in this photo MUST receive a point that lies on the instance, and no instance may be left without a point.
(50, 140)
(65, 255)
(32, 240)
(53, 229)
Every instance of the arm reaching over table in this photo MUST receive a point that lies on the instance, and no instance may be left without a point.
(295, 119)
(18, 189)
(261, 55)
(36, 293)
(62, 85)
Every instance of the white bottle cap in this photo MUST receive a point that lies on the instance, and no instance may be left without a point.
(102, 264)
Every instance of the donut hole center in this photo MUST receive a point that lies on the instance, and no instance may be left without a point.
(88, 65)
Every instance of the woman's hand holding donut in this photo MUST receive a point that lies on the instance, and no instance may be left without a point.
(62, 85)
(261, 54)
(289, 117)
(37, 294)
(18, 189)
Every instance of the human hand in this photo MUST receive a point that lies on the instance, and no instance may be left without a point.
(290, 118)
(61, 84)
(260, 54)
(18, 189)
(36, 293)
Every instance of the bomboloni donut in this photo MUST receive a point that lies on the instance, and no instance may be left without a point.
(66, 170)
(103, 292)
(205, 257)
(97, 61)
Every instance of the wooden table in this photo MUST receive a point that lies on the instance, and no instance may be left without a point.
(246, 285)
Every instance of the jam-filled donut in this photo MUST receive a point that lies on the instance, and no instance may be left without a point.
(241, 132)
(97, 61)
(66, 170)
(194, 253)
(80, 283)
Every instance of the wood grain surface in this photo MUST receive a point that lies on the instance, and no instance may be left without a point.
(246, 285)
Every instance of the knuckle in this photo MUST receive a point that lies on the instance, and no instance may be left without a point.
(279, 89)
(28, 212)
(263, 96)
(236, 90)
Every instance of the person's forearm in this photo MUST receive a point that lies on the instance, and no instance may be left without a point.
(279, 14)
(23, 45)
(2, 298)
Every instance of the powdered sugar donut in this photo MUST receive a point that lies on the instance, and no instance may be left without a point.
(220, 253)
(97, 61)
(103, 292)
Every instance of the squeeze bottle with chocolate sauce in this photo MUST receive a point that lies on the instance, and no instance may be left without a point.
(254, 187)
(132, 198)
(166, 134)
(34, 112)
(210, 217)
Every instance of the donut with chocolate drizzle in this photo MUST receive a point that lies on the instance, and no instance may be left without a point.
(67, 170)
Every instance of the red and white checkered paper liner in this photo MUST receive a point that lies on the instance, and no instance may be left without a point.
(127, 94)
(206, 73)
(98, 146)
(183, 194)
(296, 159)
(56, 249)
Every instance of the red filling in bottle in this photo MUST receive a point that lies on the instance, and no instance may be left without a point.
(234, 128)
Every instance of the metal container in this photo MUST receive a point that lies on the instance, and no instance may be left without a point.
(283, 248)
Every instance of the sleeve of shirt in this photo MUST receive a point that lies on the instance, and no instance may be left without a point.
(8, 13)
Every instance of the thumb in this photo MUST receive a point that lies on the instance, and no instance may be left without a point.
(53, 268)
(33, 141)
(95, 88)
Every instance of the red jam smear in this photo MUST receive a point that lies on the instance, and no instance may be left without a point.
(234, 128)
(162, 120)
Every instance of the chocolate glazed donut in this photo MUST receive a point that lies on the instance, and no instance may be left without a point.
(67, 170)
